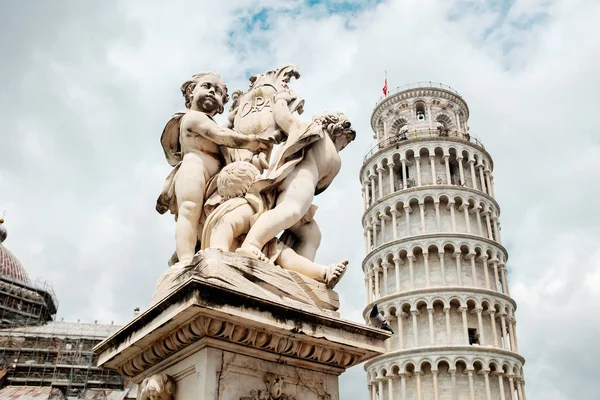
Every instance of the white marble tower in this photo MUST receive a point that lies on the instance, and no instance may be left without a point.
(435, 264)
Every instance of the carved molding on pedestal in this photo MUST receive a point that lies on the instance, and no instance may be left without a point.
(206, 326)
(274, 390)
(157, 387)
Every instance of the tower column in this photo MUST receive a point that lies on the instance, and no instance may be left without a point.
(489, 226)
(403, 386)
(463, 311)
(394, 223)
(473, 269)
(419, 388)
(505, 341)
(479, 225)
(426, 259)
(494, 329)
(382, 218)
(372, 179)
(441, 254)
(486, 272)
(483, 189)
(422, 211)
(415, 327)
(371, 294)
(511, 333)
(376, 271)
(496, 228)
(473, 176)
(457, 256)
(520, 390)
(397, 272)
(448, 326)
(418, 164)
(380, 181)
(461, 170)
(452, 216)
(496, 275)
(454, 391)
(479, 311)
(447, 166)
(407, 211)
(390, 386)
(400, 323)
(436, 386)
(411, 260)
(488, 392)
(465, 208)
(471, 385)
(487, 180)
(391, 177)
(385, 279)
(404, 173)
(374, 223)
(501, 384)
(430, 312)
(511, 385)
(504, 280)
(433, 174)
(437, 216)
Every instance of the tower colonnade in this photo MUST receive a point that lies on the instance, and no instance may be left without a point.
(435, 264)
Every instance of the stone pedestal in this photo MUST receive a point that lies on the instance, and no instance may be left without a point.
(206, 340)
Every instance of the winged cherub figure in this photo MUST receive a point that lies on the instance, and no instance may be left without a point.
(305, 166)
(191, 141)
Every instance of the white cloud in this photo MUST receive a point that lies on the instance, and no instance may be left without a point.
(85, 100)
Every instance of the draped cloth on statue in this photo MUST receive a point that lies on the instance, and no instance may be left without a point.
(290, 154)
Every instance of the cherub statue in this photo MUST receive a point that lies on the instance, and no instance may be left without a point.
(305, 166)
(238, 209)
(157, 387)
(191, 141)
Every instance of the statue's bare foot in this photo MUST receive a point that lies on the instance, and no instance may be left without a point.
(252, 251)
(334, 273)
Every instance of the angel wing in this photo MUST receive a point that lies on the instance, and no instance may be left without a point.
(170, 139)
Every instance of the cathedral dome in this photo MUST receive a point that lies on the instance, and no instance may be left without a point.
(10, 266)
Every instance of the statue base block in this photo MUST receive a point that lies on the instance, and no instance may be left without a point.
(203, 340)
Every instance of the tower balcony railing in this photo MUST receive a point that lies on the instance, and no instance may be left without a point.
(417, 85)
(421, 134)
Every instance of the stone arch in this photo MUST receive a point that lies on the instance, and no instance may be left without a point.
(444, 119)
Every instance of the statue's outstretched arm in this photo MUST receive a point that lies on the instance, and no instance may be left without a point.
(282, 114)
(207, 128)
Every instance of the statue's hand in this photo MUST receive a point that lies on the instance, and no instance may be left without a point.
(286, 95)
(260, 161)
(257, 144)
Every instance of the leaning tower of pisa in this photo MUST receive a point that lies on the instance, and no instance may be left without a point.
(435, 265)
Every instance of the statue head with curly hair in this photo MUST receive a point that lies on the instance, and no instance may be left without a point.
(337, 126)
(206, 92)
(235, 179)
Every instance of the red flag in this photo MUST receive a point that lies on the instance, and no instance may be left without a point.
(385, 88)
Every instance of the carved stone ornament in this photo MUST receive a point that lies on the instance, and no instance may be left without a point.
(157, 387)
(274, 390)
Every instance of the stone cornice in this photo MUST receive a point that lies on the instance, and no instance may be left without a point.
(198, 309)
(425, 140)
(398, 97)
(436, 292)
(431, 190)
(430, 352)
(446, 236)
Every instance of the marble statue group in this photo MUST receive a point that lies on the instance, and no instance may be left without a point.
(248, 187)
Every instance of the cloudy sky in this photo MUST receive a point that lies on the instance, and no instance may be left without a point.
(86, 88)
